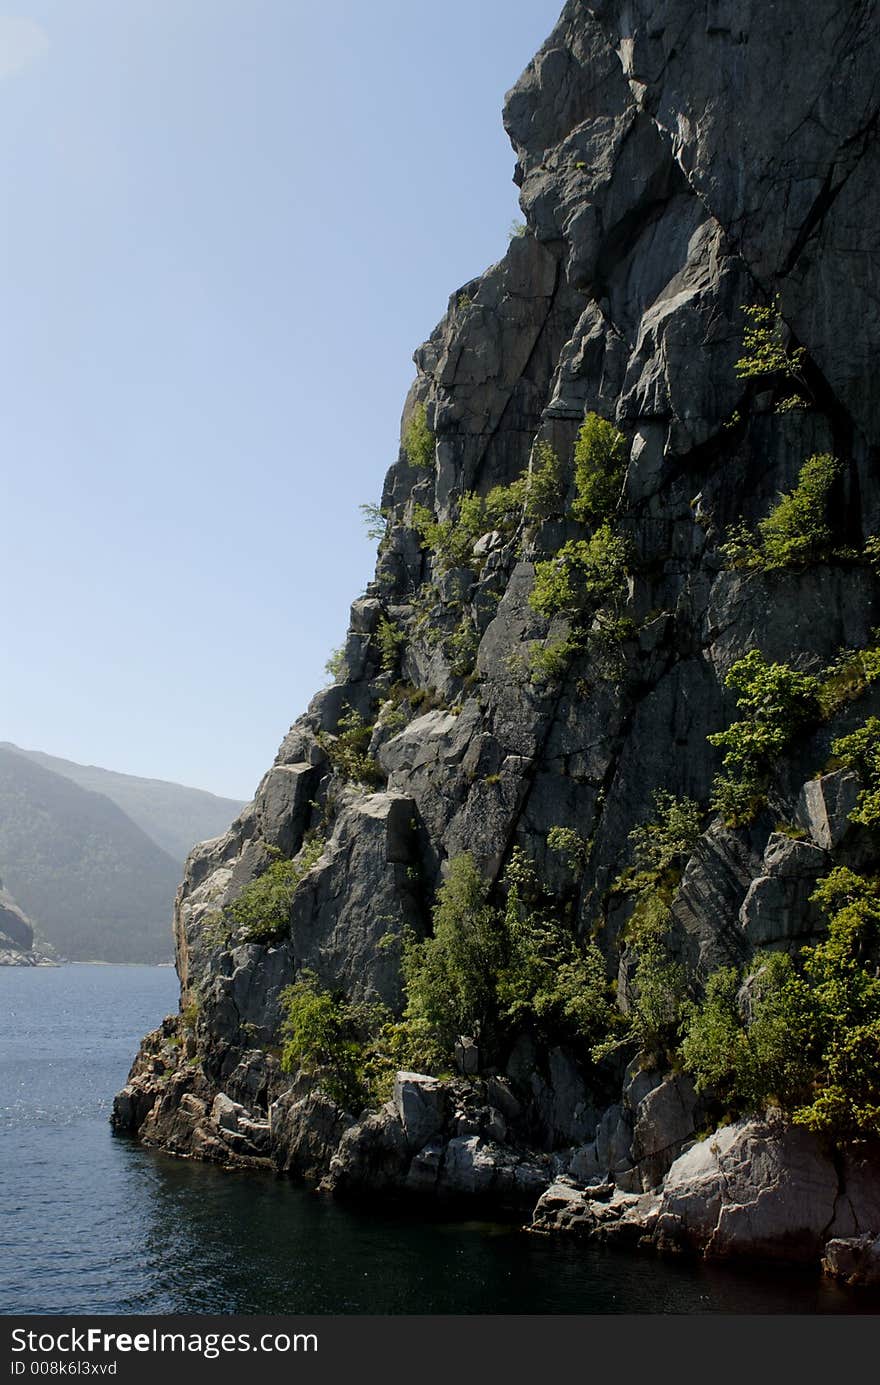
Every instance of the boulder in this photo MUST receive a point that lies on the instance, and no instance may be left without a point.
(227, 1113)
(824, 805)
(760, 1188)
(777, 909)
(422, 1106)
(305, 1127)
(854, 1260)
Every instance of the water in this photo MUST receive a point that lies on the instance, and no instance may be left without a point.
(95, 1224)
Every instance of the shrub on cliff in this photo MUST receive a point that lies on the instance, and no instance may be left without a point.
(599, 468)
(324, 1037)
(418, 440)
(797, 531)
(451, 977)
(778, 702)
(490, 972)
(584, 576)
(805, 1035)
(348, 750)
(262, 910)
(860, 751)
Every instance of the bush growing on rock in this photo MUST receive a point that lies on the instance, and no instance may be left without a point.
(262, 910)
(778, 702)
(418, 440)
(662, 848)
(490, 972)
(860, 751)
(391, 639)
(570, 845)
(545, 485)
(450, 978)
(347, 750)
(599, 469)
(584, 576)
(797, 530)
(806, 1035)
(335, 665)
(766, 349)
(324, 1037)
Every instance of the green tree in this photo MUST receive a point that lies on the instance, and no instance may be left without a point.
(583, 576)
(262, 910)
(803, 1036)
(599, 469)
(418, 440)
(323, 1038)
(860, 751)
(797, 531)
(451, 977)
(778, 702)
(766, 350)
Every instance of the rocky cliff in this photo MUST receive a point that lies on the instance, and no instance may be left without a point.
(547, 647)
(19, 945)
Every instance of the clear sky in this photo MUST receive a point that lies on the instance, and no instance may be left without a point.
(227, 225)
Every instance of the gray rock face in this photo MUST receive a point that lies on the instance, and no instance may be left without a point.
(421, 1106)
(776, 908)
(305, 1129)
(824, 806)
(676, 164)
(753, 1188)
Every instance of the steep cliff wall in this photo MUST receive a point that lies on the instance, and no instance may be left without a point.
(677, 162)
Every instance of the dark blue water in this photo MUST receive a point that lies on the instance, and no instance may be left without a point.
(94, 1224)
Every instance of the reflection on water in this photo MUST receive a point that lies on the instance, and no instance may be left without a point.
(95, 1224)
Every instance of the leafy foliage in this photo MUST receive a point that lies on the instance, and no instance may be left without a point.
(660, 993)
(335, 665)
(451, 541)
(450, 978)
(583, 575)
(851, 673)
(570, 845)
(418, 440)
(766, 351)
(599, 468)
(797, 530)
(529, 499)
(262, 910)
(666, 842)
(662, 848)
(805, 1036)
(545, 485)
(376, 521)
(392, 641)
(347, 750)
(325, 1036)
(462, 647)
(778, 702)
(549, 662)
(489, 971)
(860, 751)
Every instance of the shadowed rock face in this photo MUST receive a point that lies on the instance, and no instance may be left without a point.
(676, 162)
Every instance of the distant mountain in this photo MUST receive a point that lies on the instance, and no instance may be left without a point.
(88, 877)
(176, 817)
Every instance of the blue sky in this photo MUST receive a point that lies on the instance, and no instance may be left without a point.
(227, 226)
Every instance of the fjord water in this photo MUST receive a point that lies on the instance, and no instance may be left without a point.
(96, 1224)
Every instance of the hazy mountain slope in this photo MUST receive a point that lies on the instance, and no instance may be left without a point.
(175, 816)
(93, 882)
